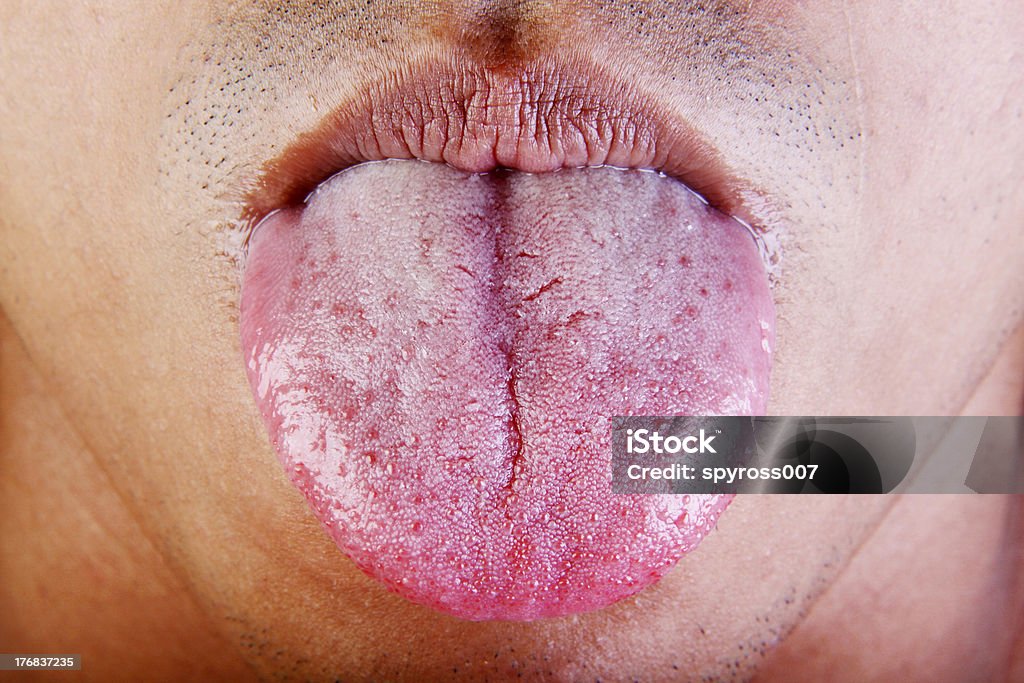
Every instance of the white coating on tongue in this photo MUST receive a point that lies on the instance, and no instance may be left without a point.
(437, 356)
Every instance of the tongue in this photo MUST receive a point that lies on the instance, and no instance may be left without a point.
(437, 356)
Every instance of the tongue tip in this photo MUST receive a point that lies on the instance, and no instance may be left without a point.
(524, 599)
(605, 567)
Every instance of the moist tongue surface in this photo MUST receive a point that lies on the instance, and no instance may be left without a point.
(437, 356)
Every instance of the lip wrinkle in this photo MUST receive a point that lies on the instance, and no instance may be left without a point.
(549, 114)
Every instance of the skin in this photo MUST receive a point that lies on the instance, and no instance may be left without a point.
(146, 522)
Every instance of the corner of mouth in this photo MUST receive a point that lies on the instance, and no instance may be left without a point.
(543, 116)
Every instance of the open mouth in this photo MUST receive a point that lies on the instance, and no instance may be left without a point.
(437, 349)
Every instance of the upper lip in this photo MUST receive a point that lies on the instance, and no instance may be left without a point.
(548, 114)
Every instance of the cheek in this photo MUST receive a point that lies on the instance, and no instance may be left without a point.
(918, 244)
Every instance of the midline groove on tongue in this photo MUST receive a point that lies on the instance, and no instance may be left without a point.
(437, 356)
(493, 192)
(499, 192)
(498, 186)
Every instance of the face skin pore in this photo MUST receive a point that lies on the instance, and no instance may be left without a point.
(145, 518)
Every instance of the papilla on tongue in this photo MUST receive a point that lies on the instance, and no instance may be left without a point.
(437, 356)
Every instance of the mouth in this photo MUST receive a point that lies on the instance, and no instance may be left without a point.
(437, 349)
(542, 117)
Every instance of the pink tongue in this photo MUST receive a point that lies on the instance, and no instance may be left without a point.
(437, 356)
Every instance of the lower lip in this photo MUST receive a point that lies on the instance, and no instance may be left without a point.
(437, 356)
